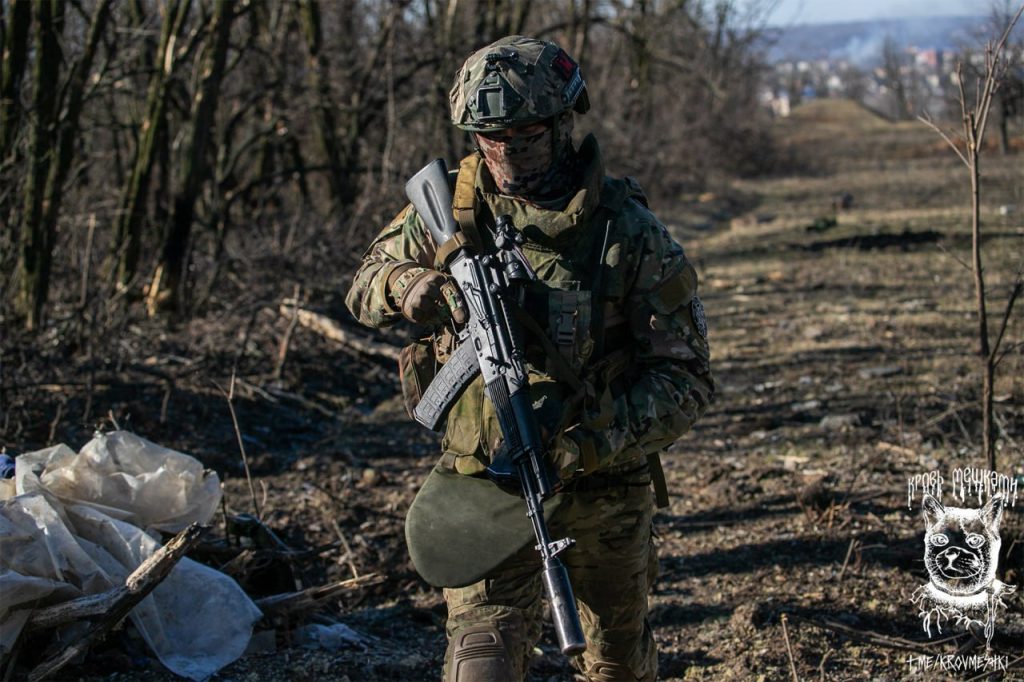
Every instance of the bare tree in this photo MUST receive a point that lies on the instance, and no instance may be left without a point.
(196, 123)
(1009, 97)
(975, 121)
(62, 152)
(898, 77)
(166, 289)
(127, 242)
(36, 243)
(17, 18)
(340, 178)
(15, 32)
(497, 18)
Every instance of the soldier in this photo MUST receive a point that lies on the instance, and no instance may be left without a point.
(619, 366)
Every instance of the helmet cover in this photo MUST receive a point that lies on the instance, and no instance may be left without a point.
(514, 82)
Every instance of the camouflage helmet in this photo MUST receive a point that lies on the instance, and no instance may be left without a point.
(516, 81)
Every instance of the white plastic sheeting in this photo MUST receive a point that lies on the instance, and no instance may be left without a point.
(78, 524)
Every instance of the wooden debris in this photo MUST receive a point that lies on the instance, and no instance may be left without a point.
(112, 606)
(286, 340)
(897, 450)
(854, 545)
(328, 328)
(309, 599)
(874, 637)
(789, 649)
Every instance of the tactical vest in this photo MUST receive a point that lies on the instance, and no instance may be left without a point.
(577, 335)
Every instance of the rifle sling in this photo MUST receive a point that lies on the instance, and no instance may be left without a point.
(464, 203)
(658, 480)
(448, 249)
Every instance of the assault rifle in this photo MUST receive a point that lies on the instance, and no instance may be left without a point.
(491, 343)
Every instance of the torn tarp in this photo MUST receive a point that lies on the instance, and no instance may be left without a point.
(75, 527)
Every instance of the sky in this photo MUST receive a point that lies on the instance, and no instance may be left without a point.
(789, 12)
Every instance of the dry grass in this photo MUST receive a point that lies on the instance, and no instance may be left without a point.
(807, 325)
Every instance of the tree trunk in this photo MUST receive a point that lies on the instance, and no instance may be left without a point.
(340, 180)
(67, 133)
(36, 243)
(167, 291)
(447, 135)
(12, 69)
(1004, 125)
(17, 16)
(133, 199)
(984, 348)
(581, 32)
(988, 412)
(515, 16)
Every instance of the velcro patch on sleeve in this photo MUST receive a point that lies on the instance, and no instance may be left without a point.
(674, 291)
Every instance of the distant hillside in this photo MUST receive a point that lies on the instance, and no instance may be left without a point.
(861, 41)
(843, 113)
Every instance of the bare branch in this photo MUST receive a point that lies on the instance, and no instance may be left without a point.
(1009, 349)
(1018, 286)
(993, 57)
(229, 396)
(963, 99)
(927, 120)
(953, 256)
(115, 604)
(291, 603)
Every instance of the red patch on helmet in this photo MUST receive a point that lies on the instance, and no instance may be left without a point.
(564, 64)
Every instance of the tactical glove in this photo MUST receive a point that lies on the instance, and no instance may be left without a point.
(425, 296)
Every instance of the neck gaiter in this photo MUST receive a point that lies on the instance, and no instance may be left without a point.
(535, 167)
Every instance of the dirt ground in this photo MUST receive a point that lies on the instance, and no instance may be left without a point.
(844, 365)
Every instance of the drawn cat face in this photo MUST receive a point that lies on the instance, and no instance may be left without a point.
(961, 546)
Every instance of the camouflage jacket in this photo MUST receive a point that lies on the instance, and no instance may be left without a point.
(654, 379)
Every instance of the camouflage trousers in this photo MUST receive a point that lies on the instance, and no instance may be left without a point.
(612, 568)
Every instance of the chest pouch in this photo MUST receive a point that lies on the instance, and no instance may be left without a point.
(564, 311)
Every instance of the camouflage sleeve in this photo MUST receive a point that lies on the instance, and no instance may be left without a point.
(668, 385)
(402, 242)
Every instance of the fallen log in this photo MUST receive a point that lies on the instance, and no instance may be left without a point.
(328, 328)
(110, 607)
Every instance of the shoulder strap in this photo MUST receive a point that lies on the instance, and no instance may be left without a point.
(658, 480)
(464, 202)
(614, 194)
(464, 211)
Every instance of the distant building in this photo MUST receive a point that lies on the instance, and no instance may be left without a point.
(777, 103)
(927, 59)
(780, 105)
(853, 69)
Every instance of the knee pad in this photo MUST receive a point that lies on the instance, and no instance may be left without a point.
(604, 671)
(479, 654)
